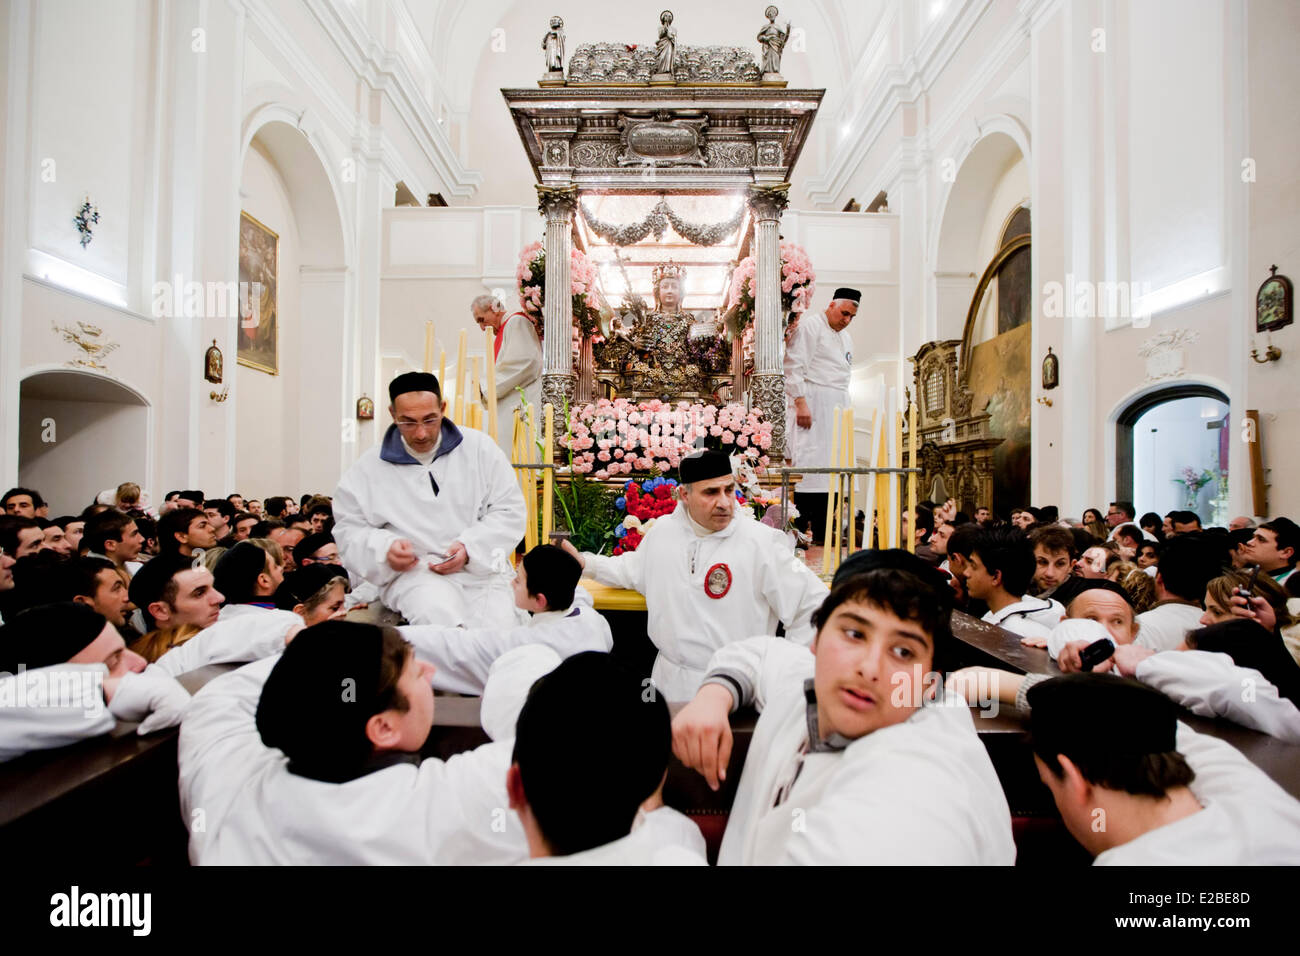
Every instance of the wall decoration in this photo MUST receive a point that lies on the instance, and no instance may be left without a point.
(1273, 303)
(259, 317)
(1165, 355)
(1051, 370)
(1001, 375)
(87, 216)
(365, 408)
(213, 364)
(87, 338)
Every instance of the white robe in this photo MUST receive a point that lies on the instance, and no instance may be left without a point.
(254, 811)
(242, 633)
(519, 365)
(769, 584)
(463, 656)
(818, 365)
(920, 792)
(647, 845)
(1246, 820)
(1211, 684)
(1028, 617)
(387, 495)
(1166, 626)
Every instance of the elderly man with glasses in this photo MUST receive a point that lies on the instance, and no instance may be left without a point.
(430, 515)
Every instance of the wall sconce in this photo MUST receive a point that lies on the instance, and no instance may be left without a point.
(1044, 400)
(1271, 354)
(220, 396)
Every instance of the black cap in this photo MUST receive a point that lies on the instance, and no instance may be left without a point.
(853, 295)
(1100, 715)
(302, 585)
(702, 466)
(318, 698)
(236, 572)
(413, 382)
(49, 634)
(309, 545)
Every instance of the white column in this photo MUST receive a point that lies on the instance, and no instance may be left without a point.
(768, 388)
(557, 204)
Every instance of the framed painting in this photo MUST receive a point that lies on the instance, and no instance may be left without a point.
(1273, 303)
(259, 260)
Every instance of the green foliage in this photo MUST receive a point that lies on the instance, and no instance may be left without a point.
(586, 509)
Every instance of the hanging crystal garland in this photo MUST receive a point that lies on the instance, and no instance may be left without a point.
(657, 222)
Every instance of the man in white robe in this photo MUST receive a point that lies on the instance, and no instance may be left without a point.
(818, 366)
(711, 574)
(518, 364)
(858, 756)
(430, 516)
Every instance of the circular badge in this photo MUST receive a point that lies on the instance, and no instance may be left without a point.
(718, 581)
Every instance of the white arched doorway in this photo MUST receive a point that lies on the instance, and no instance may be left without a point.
(78, 433)
(287, 412)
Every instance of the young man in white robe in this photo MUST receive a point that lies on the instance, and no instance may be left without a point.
(518, 364)
(1109, 748)
(1000, 572)
(1188, 562)
(430, 516)
(818, 365)
(588, 812)
(858, 757)
(711, 574)
(561, 617)
(312, 757)
(67, 675)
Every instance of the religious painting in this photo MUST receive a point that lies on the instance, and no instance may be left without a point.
(1013, 278)
(1000, 381)
(258, 286)
(1273, 303)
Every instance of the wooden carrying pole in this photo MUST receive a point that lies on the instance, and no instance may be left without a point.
(851, 461)
(530, 533)
(898, 485)
(460, 380)
(548, 475)
(474, 406)
(831, 481)
(911, 477)
(442, 371)
(883, 522)
(491, 359)
(428, 349)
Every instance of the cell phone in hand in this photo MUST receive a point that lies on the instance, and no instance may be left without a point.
(1249, 590)
(1096, 652)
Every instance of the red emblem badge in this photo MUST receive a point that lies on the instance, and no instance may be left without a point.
(718, 581)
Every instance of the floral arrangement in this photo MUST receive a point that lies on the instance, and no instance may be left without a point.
(531, 275)
(612, 438)
(1193, 483)
(798, 282)
(642, 505)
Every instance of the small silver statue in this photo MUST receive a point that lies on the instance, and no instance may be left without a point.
(773, 40)
(553, 44)
(666, 46)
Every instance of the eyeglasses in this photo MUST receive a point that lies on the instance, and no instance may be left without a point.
(427, 423)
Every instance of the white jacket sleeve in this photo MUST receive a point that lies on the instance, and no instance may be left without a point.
(464, 656)
(799, 355)
(510, 679)
(794, 592)
(622, 571)
(520, 359)
(220, 748)
(759, 667)
(363, 547)
(1212, 685)
(249, 637)
(52, 707)
(502, 514)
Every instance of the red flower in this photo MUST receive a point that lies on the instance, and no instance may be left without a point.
(661, 491)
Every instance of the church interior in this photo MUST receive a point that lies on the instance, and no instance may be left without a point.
(970, 315)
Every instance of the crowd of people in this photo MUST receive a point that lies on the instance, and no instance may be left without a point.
(342, 615)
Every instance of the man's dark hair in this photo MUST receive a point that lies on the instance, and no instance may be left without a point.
(1084, 539)
(175, 493)
(222, 507)
(553, 573)
(1053, 538)
(37, 500)
(79, 577)
(64, 520)
(1049, 513)
(104, 527)
(264, 528)
(36, 582)
(580, 803)
(1130, 531)
(147, 527)
(1007, 550)
(1187, 564)
(275, 505)
(910, 595)
(1240, 536)
(963, 538)
(1120, 734)
(10, 525)
(1288, 536)
(1185, 517)
(177, 521)
(925, 522)
(235, 494)
(1126, 507)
